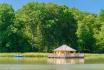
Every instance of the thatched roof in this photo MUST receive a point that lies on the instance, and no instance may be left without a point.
(64, 48)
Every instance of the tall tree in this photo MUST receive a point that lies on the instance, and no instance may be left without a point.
(99, 32)
(85, 34)
(6, 21)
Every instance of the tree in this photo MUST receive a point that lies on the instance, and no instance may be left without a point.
(41, 27)
(99, 32)
(6, 21)
(86, 35)
(50, 25)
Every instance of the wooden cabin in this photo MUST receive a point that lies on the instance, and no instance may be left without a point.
(66, 52)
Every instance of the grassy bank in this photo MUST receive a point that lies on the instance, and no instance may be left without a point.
(87, 56)
(24, 54)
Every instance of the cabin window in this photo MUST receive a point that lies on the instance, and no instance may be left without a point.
(71, 52)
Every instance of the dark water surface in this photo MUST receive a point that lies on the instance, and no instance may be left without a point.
(33, 63)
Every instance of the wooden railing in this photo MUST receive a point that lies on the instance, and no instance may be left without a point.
(76, 55)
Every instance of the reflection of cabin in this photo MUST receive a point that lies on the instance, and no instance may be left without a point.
(66, 61)
(65, 51)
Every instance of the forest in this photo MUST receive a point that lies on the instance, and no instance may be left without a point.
(42, 27)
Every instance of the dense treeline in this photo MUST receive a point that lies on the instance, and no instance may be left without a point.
(40, 27)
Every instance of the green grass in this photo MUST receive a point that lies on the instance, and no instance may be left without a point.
(34, 54)
(24, 54)
(8, 54)
(87, 56)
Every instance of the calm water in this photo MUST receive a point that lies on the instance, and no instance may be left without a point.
(32, 63)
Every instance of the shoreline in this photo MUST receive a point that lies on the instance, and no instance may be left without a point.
(24, 54)
(33, 54)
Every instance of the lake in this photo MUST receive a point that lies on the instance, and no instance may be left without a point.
(33, 63)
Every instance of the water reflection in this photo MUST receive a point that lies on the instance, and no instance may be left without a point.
(45, 60)
(66, 61)
(22, 60)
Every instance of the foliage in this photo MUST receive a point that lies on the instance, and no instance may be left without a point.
(41, 27)
(49, 25)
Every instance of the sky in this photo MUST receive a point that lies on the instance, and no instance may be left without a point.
(92, 6)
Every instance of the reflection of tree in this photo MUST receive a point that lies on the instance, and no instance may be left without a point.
(66, 61)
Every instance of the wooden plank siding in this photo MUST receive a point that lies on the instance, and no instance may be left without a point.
(77, 55)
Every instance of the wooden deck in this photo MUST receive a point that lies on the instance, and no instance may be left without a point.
(77, 55)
